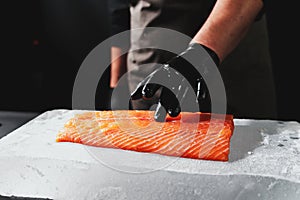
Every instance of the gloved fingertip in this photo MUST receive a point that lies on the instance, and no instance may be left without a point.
(174, 112)
(160, 113)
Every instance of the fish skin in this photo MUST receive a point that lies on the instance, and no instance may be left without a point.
(184, 136)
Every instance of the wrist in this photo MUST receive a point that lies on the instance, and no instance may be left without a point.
(198, 48)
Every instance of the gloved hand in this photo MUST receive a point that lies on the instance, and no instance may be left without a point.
(175, 87)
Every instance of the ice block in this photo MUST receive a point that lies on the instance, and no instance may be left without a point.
(264, 163)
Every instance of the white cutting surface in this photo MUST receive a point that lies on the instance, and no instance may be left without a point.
(264, 164)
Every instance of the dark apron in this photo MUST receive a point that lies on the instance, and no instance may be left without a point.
(246, 72)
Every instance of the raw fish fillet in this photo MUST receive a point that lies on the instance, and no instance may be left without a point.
(190, 135)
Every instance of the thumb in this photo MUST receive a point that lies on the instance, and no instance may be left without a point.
(160, 113)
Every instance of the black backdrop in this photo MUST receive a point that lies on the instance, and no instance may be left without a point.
(43, 43)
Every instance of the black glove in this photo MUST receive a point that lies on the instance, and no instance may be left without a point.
(175, 87)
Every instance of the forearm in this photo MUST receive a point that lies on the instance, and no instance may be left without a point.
(118, 65)
(227, 24)
(119, 22)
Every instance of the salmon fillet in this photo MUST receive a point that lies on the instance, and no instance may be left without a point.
(190, 135)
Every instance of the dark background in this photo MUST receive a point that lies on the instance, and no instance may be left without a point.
(44, 42)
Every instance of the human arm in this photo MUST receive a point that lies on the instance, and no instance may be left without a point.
(118, 65)
(119, 22)
(227, 24)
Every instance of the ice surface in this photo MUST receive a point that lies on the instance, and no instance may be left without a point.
(264, 164)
